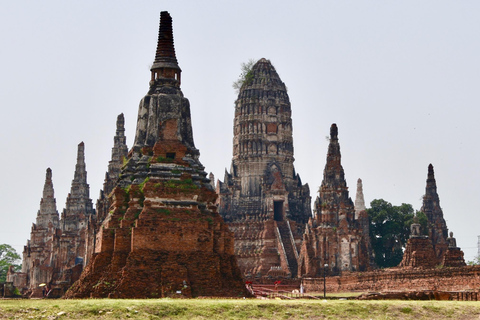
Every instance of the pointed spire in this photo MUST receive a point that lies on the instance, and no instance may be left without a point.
(334, 202)
(78, 204)
(359, 199)
(165, 65)
(119, 153)
(334, 165)
(120, 125)
(333, 132)
(80, 172)
(431, 200)
(80, 189)
(48, 206)
(438, 231)
(119, 149)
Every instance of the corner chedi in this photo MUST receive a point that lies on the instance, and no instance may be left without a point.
(454, 255)
(262, 198)
(437, 227)
(37, 254)
(163, 236)
(55, 254)
(436, 248)
(419, 251)
(335, 240)
(119, 154)
(70, 242)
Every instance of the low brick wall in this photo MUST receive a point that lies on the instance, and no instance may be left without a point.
(396, 279)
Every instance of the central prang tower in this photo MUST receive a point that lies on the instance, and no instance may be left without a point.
(262, 198)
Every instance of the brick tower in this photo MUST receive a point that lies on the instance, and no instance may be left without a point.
(262, 198)
(437, 227)
(336, 238)
(37, 254)
(163, 235)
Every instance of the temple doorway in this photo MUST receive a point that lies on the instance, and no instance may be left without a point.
(278, 210)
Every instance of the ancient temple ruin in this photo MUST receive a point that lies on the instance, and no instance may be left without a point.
(336, 239)
(119, 155)
(55, 254)
(453, 257)
(163, 235)
(437, 227)
(70, 246)
(419, 251)
(37, 264)
(436, 249)
(262, 198)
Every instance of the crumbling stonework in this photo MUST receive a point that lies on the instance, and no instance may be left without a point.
(55, 254)
(436, 248)
(359, 200)
(37, 264)
(397, 279)
(71, 243)
(163, 235)
(453, 257)
(119, 155)
(262, 198)
(437, 227)
(419, 251)
(335, 236)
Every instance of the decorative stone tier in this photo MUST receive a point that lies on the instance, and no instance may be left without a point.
(453, 258)
(419, 253)
(262, 198)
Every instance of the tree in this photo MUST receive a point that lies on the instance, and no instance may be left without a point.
(246, 76)
(8, 257)
(474, 262)
(390, 229)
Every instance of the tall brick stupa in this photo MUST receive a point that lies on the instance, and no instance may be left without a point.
(163, 236)
(262, 198)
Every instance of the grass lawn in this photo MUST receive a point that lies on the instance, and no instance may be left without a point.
(236, 309)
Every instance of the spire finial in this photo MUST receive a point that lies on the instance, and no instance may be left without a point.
(359, 199)
(430, 171)
(120, 125)
(165, 65)
(334, 132)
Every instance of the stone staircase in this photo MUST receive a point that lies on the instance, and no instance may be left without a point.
(290, 249)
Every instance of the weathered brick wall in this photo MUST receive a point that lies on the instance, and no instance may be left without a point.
(395, 279)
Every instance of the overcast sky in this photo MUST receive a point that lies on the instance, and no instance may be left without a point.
(400, 79)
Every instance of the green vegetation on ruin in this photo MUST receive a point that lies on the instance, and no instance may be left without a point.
(186, 184)
(163, 159)
(246, 76)
(235, 309)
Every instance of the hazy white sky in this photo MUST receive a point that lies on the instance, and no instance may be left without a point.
(400, 79)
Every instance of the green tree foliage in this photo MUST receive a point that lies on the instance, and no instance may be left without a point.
(390, 229)
(474, 262)
(246, 76)
(8, 257)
